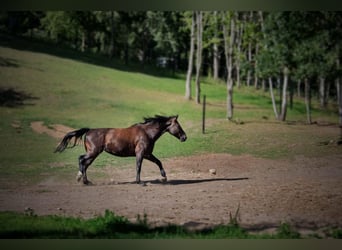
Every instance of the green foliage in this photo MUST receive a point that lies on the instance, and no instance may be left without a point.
(336, 233)
(109, 225)
(286, 232)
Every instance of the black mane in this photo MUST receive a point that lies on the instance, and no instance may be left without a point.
(156, 119)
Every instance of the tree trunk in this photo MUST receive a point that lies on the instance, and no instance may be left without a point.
(273, 99)
(249, 55)
(216, 55)
(339, 84)
(248, 81)
(279, 87)
(339, 96)
(299, 83)
(256, 66)
(239, 34)
(284, 95)
(83, 42)
(191, 59)
(111, 46)
(327, 92)
(340, 106)
(308, 101)
(216, 62)
(228, 45)
(199, 56)
(322, 92)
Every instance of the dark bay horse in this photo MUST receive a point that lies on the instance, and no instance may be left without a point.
(137, 140)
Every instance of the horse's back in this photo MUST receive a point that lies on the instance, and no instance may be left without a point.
(121, 141)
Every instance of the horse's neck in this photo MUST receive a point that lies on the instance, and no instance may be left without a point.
(154, 131)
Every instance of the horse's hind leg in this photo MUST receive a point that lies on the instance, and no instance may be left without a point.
(81, 169)
(93, 145)
(84, 163)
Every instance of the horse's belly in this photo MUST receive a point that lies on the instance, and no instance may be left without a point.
(121, 153)
(120, 150)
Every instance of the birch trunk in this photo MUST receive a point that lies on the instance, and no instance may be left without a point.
(284, 95)
(340, 105)
(216, 56)
(239, 34)
(199, 56)
(256, 66)
(322, 92)
(299, 83)
(228, 44)
(308, 101)
(248, 81)
(274, 105)
(191, 59)
(339, 97)
(111, 47)
(249, 55)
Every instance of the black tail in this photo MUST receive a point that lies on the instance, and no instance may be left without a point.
(77, 134)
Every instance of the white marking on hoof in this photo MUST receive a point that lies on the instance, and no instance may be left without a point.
(79, 176)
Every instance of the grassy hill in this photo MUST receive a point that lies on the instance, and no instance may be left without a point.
(57, 86)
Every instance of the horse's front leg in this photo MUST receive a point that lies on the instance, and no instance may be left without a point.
(139, 152)
(158, 162)
(138, 166)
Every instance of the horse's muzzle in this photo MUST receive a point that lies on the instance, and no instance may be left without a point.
(183, 138)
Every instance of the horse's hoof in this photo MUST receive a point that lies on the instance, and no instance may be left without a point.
(143, 184)
(79, 176)
(162, 172)
(88, 183)
(164, 180)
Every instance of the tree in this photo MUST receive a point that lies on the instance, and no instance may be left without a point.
(215, 42)
(284, 46)
(199, 21)
(60, 27)
(339, 96)
(314, 54)
(279, 41)
(20, 22)
(238, 53)
(191, 58)
(229, 36)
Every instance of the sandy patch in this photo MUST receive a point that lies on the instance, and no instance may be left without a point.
(57, 131)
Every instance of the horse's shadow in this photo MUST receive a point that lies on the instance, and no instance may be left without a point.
(184, 181)
(192, 181)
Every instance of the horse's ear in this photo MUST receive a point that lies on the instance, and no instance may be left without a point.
(176, 116)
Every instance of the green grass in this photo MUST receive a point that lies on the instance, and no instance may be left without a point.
(111, 226)
(78, 90)
(14, 225)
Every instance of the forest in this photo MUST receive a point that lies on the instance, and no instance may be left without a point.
(293, 52)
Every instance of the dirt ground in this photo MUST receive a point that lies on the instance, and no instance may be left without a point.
(305, 192)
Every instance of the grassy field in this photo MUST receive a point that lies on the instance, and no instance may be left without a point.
(59, 86)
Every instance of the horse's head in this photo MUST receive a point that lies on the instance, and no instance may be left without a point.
(175, 129)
